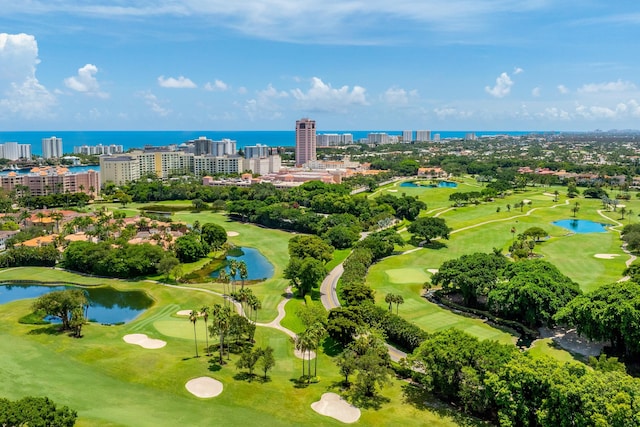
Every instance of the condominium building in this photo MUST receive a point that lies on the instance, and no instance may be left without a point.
(124, 168)
(378, 138)
(423, 136)
(407, 136)
(52, 147)
(334, 139)
(98, 150)
(15, 151)
(305, 141)
(204, 146)
(49, 180)
(256, 151)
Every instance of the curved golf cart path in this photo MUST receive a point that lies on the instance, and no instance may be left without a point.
(328, 292)
(632, 257)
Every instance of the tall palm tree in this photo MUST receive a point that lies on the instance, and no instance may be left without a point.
(221, 317)
(398, 300)
(389, 299)
(224, 278)
(193, 318)
(233, 270)
(57, 217)
(302, 344)
(242, 269)
(316, 333)
(205, 316)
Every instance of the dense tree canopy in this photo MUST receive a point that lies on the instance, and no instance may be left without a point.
(214, 235)
(61, 304)
(429, 228)
(35, 412)
(105, 259)
(610, 313)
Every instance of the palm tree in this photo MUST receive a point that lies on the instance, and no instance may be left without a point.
(242, 269)
(221, 316)
(224, 278)
(57, 217)
(555, 195)
(316, 333)
(205, 316)
(576, 208)
(233, 270)
(398, 300)
(303, 344)
(389, 299)
(193, 318)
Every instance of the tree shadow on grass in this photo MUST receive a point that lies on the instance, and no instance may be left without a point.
(420, 399)
(244, 376)
(374, 402)
(214, 366)
(49, 330)
(299, 383)
(331, 348)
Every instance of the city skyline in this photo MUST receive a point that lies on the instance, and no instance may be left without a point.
(161, 65)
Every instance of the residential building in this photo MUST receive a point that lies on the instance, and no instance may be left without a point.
(407, 136)
(305, 141)
(52, 148)
(378, 138)
(119, 169)
(256, 151)
(423, 136)
(98, 150)
(15, 151)
(333, 139)
(50, 180)
(204, 146)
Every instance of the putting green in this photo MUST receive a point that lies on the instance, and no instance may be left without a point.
(407, 275)
(178, 329)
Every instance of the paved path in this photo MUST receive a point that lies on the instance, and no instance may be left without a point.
(632, 257)
(275, 323)
(328, 293)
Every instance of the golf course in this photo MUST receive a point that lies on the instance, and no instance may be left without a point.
(112, 382)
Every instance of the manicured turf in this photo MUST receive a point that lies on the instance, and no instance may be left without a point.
(112, 383)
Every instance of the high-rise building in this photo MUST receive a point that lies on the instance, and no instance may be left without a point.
(407, 136)
(423, 136)
(15, 151)
(51, 147)
(305, 141)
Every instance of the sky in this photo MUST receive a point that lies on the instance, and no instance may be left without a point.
(542, 65)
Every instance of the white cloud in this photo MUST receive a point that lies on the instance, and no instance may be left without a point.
(242, 90)
(322, 97)
(155, 104)
(502, 87)
(554, 113)
(265, 105)
(563, 89)
(216, 86)
(517, 71)
(617, 86)
(86, 81)
(334, 21)
(535, 92)
(179, 83)
(21, 94)
(396, 96)
(450, 112)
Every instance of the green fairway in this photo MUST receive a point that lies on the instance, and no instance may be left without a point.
(112, 383)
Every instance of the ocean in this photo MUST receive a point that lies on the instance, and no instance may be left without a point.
(138, 139)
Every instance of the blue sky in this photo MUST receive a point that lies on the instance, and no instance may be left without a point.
(349, 64)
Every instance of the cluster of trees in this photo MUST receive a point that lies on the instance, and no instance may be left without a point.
(35, 412)
(55, 200)
(68, 306)
(425, 229)
(262, 357)
(498, 383)
(631, 236)
(475, 197)
(368, 359)
(105, 259)
(307, 258)
(22, 256)
(529, 291)
(523, 245)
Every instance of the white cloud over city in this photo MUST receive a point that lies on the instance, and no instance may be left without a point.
(176, 83)
(86, 82)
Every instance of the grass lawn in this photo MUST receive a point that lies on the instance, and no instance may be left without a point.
(112, 383)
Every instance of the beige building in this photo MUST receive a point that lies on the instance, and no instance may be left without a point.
(305, 141)
(49, 180)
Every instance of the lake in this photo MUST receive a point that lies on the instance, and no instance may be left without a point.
(582, 225)
(106, 304)
(258, 267)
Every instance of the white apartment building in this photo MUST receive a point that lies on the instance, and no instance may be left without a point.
(378, 138)
(98, 150)
(407, 136)
(15, 151)
(423, 136)
(334, 139)
(52, 148)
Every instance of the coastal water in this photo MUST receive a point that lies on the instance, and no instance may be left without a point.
(138, 139)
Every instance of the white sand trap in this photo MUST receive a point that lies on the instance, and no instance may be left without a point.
(144, 341)
(184, 313)
(299, 354)
(204, 387)
(621, 206)
(432, 270)
(232, 233)
(606, 256)
(392, 191)
(526, 201)
(334, 406)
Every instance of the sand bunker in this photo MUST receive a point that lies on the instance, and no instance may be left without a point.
(432, 270)
(184, 313)
(306, 355)
(232, 233)
(204, 387)
(606, 256)
(144, 341)
(392, 191)
(334, 406)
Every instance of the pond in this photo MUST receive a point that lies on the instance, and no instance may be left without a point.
(418, 184)
(582, 225)
(258, 267)
(106, 304)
